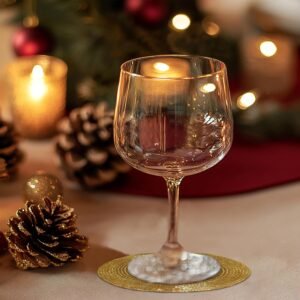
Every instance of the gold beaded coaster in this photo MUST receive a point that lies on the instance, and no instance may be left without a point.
(232, 272)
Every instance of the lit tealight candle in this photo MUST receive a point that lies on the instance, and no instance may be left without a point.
(161, 74)
(269, 63)
(165, 68)
(39, 91)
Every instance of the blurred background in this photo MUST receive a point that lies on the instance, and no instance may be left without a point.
(257, 39)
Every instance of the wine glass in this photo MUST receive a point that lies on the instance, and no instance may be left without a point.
(173, 119)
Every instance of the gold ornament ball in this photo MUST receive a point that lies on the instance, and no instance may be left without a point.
(40, 186)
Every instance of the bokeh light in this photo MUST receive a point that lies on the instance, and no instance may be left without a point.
(181, 22)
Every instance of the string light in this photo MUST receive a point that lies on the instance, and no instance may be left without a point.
(181, 22)
(268, 48)
(246, 100)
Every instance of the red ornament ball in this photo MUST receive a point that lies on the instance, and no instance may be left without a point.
(3, 243)
(149, 12)
(32, 41)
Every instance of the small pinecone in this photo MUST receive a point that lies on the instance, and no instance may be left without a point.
(86, 148)
(45, 235)
(10, 155)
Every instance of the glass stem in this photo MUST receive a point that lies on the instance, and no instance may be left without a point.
(171, 252)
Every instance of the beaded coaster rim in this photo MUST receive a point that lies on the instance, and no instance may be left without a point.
(115, 272)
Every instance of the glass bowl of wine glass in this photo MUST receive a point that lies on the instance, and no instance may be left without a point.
(173, 119)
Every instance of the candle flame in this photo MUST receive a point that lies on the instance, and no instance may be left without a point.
(208, 88)
(268, 48)
(161, 67)
(37, 72)
(37, 86)
(181, 22)
(246, 100)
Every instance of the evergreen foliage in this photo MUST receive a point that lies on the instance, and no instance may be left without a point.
(96, 37)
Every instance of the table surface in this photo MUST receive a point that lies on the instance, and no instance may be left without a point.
(260, 229)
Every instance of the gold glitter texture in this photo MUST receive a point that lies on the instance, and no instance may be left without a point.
(40, 186)
(232, 272)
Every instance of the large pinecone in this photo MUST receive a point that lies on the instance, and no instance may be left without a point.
(86, 148)
(10, 155)
(45, 235)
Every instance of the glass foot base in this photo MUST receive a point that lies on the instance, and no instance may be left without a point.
(194, 267)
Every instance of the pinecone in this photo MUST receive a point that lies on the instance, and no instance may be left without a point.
(10, 155)
(43, 235)
(86, 148)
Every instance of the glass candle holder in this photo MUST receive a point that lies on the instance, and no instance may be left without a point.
(38, 87)
(269, 63)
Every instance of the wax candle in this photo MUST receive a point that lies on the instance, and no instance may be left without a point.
(165, 68)
(38, 94)
(160, 76)
(269, 63)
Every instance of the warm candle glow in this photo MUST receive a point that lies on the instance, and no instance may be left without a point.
(181, 22)
(168, 69)
(265, 58)
(37, 87)
(268, 48)
(39, 90)
(165, 68)
(211, 28)
(246, 100)
(161, 67)
(208, 88)
(37, 72)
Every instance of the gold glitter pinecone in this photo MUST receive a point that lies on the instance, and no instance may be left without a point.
(86, 148)
(10, 155)
(43, 235)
